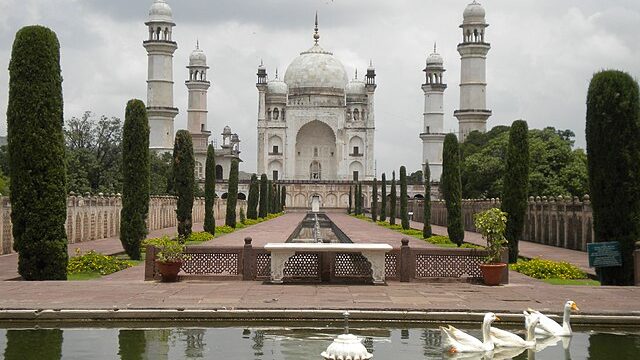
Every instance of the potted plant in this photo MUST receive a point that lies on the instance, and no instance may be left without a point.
(492, 224)
(169, 256)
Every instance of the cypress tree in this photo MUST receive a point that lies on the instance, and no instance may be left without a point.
(374, 204)
(612, 132)
(392, 202)
(264, 193)
(452, 188)
(269, 197)
(359, 199)
(184, 181)
(383, 201)
(136, 176)
(350, 199)
(516, 185)
(404, 211)
(252, 204)
(37, 155)
(283, 198)
(274, 198)
(232, 197)
(426, 207)
(210, 191)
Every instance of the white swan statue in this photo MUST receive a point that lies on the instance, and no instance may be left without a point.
(458, 341)
(507, 339)
(549, 327)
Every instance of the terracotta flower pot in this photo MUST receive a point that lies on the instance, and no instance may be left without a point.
(169, 270)
(492, 273)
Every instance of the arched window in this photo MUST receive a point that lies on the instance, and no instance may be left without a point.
(348, 114)
(199, 170)
(315, 171)
(269, 114)
(356, 115)
(276, 114)
(218, 172)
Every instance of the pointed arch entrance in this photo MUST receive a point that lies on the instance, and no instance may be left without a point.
(316, 155)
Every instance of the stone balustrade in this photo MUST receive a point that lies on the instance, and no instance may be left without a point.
(557, 221)
(92, 217)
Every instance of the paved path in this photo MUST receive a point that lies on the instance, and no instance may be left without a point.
(275, 230)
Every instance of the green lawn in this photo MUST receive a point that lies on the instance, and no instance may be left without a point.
(584, 282)
(84, 276)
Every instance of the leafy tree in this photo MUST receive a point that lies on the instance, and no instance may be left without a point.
(252, 204)
(392, 202)
(264, 196)
(283, 198)
(184, 181)
(161, 173)
(94, 154)
(350, 199)
(37, 155)
(404, 211)
(451, 189)
(415, 178)
(613, 130)
(383, 201)
(516, 182)
(374, 203)
(426, 207)
(232, 197)
(136, 171)
(210, 191)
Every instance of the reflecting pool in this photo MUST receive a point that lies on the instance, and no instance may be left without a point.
(280, 343)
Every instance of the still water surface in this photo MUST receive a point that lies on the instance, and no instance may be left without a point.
(279, 343)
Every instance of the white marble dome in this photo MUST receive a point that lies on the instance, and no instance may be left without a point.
(356, 87)
(316, 68)
(435, 59)
(198, 58)
(474, 13)
(277, 87)
(160, 12)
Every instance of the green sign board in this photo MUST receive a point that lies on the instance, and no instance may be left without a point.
(604, 254)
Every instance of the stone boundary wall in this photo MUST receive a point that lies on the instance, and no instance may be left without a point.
(557, 221)
(97, 217)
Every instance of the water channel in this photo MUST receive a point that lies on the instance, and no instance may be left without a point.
(317, 228)
(278, 343)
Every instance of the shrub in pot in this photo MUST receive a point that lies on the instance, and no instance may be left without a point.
(492, 224)
(169, 256)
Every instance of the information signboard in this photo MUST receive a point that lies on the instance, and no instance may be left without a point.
(604, 254)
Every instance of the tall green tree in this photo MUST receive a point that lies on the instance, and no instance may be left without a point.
(516, 185)
(383, 201)
(254, 194)
(37, 155)
(232, 197)
(404, 211)
(613, 130)
(161, 173)
(135, 174)
(359, 199)
(374, 204)
(269, 197)
(283, 198)
(452, 188)
(210, 191)
(184, 181)
(426, 207)
(393, 200)
(350, 199)
(264, 196)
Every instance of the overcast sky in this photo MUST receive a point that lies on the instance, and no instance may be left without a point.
(543, 55)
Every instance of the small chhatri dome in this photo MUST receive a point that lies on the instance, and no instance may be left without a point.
(198, 57)
(316, 68)
(277, 86)
(226, 131)
(356, 86)
(160, 12)
(474, 13)
(435, 58)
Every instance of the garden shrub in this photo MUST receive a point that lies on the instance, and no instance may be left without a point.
(93, 262)
(201, 236)
(548, 269)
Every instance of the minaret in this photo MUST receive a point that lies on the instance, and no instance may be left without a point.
(198, 84)
(473, 113)
(433, 131)
(261, 84)
(160, 48)
(370, 121)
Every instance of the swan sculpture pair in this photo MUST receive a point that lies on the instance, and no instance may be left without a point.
(456, 341)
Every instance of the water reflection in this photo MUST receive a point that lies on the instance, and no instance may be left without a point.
(280, 343)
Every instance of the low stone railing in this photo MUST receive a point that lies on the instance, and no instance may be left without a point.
(92, 217)
(557, 221)
(250, 263)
